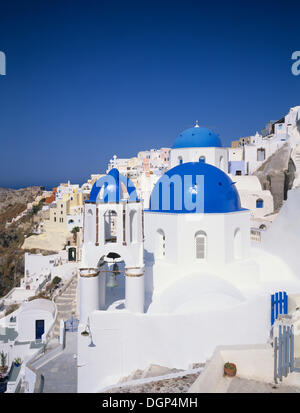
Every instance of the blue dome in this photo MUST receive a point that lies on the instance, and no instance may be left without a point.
(195, 187)
(113, 184)
(197, 137)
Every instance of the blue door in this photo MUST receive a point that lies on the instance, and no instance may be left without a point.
(39, 329)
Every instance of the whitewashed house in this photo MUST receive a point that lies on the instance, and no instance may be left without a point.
(167, 284)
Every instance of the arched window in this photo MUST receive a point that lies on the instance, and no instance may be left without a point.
(160, 244)
(133, 226)
(259, 203)
(71, 221)
(200, 245)
(221, 163)
(202, 159)
(110, 226)
(237, 244)
(72, 254)
(89, 227)
(180, 161)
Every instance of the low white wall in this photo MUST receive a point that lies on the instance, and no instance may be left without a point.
(64, 271)
(253, 362)
(18, 295)
(30, 380)
(125, 341)
(210, 377)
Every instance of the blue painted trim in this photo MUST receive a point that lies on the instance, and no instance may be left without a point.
(113, 191)
(279, 305)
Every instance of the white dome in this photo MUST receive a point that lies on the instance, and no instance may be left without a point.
(196, 293)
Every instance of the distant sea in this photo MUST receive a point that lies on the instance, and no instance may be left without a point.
(48, 187)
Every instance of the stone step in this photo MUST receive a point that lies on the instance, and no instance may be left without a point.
(67, 313)
(69, 307)
(69, 295)
(64, 300)
(64, 306)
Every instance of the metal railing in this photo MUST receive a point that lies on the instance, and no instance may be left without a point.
(284, 362)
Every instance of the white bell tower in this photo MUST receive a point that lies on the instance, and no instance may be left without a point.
(113, 225)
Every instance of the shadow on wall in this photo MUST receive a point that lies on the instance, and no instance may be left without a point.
(149, 261)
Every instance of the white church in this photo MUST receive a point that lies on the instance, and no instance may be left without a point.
(167, 284)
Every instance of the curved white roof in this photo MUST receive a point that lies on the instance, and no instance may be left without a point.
(39, 304)
(197, 292)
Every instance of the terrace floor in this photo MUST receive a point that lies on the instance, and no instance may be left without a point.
(239, 385)
(60, 374)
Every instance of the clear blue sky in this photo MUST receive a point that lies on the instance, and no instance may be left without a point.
(90, 79)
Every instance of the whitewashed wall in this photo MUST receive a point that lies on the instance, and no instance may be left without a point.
(126, 341)
(180, 230)
(212, 156)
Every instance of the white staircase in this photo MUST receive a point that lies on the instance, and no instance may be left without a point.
(66, 305)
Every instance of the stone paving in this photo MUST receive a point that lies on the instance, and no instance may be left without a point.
(150, 380)
(239, 385)
(174, 385)
(60, 374)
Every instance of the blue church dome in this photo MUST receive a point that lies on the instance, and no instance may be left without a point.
(197, 137)
(195, 187)
(114, 185)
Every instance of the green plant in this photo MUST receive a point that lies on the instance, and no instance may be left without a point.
(17, 361)
(229, 369)
(229, 366)
(74, 232)
(3, 357)
(56, 280)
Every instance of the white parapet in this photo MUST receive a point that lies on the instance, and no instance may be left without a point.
(134, 290)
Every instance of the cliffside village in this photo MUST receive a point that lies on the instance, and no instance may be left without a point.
(263, 168)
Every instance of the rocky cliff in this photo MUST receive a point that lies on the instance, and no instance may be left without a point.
(277, 174)
(12, 202)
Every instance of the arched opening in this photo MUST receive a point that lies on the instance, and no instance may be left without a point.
(110, 226)
(221, 163)
(237, 244)
(202, 159)
(263, 227)
(160, 244)
(259, 203)
(112, 281)
(89, 226)
(133, 226)
(180, 161)
(72, 254)
(71, 221)
(201, 245)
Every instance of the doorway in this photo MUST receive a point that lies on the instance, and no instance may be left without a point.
(39, 329)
